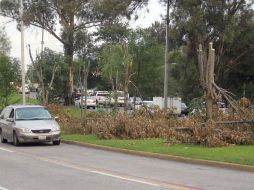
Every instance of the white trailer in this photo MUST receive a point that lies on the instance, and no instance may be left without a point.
(173, 103)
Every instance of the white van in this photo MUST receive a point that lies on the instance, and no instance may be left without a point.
(102, 97)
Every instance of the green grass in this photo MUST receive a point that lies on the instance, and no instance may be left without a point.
(233, 154)
(17, 99)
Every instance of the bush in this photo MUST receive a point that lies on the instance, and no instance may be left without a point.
(68, 122)
(156, 123)
(139, 125)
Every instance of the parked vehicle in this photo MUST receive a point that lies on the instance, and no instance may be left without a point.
(201, 109)
(28, 123)
(91, 102)
(120, 98)
(102, 97)
(222, 107)
(173, 103)
(27, 91)
(184, 109)
(137, 103)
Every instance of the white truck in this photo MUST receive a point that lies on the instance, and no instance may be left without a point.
(173, 103)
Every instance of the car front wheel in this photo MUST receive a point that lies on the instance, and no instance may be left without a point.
(15, 140)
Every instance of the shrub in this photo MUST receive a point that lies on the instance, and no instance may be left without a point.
(156, 123)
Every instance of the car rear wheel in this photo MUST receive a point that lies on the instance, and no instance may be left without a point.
(56, 142)
(2, 138)
(15, 140)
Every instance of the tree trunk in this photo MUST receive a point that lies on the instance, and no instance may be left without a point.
(68, 36)
(126, 88)
(127, 66)
(46, 98)
(206, 68)
(69, 61)
(86, 71)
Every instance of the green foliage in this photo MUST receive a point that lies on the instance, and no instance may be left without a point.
(148, 64)
(7, 78)
(48, 61)
(72, 17)
(5, 45)
(225, 23)
(237, 72)
(113, 32)
(111, 60)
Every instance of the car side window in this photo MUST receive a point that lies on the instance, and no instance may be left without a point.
(12, 113)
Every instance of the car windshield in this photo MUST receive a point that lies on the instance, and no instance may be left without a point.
(32, 114)
(103, 95)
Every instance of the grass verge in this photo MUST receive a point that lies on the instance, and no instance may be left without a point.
(233, 154)
(17, 99)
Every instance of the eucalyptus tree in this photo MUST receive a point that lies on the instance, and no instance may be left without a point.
(111, 64)
(5, 44)
(85, 51)
(8, 69)
(217, 21)
(71, 16)
(147, 68)
(229, 25)
(46, 67)
(9, 77)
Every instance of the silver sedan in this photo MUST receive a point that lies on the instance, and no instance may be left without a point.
(28, 123)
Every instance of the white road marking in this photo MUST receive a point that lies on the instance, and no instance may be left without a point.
(2, 188)
(6, 150)
(125, 177)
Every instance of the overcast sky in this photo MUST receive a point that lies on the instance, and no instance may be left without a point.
(33, 34)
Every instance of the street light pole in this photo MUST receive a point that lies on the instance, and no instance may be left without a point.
(22, 52)
(166, 62)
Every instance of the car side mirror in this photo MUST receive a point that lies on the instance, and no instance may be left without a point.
(10, 119)
(56, 118)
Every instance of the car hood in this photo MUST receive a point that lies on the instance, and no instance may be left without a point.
(36, 124)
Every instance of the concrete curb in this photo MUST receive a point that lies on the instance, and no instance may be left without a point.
(166, 157)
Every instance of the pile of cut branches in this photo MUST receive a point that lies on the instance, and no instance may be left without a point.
(156, 123)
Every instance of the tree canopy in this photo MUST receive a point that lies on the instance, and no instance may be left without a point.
(71, 16)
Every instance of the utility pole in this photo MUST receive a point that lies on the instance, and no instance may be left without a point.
(22, 52)
(166, 62)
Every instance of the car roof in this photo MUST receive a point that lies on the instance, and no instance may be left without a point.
(26, 106)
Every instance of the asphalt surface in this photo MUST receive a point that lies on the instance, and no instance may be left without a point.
(32, 167)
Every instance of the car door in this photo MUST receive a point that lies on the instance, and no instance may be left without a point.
(5, 113)
(10, 124)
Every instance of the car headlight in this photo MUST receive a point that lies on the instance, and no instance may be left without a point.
(56, 128)
(23, 130)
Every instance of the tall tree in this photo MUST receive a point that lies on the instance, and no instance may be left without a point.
(5, 45)
(73, 16)
(84, 47)
(111, 61)
(224, 23)
(127, 62)
(8, 78)
(148, 57)
(46, 68)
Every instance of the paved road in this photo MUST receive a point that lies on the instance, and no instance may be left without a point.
(70, 167)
